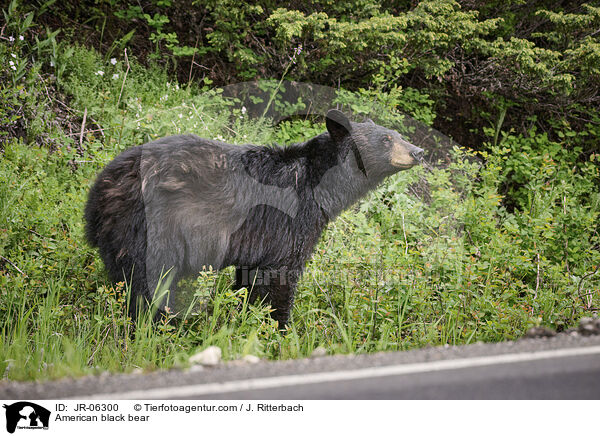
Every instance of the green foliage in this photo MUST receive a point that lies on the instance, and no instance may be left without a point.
(415, 39)
(26, 46)
(230, 33)
(153, 15)
(554, 195)
(468, 58)
(297, 131)
(391, 105)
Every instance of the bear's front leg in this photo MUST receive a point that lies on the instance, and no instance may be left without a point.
(276, 286)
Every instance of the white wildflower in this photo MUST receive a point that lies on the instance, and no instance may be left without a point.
(13, 55)
(21, 38)
(243, 109)
(99, 73)
(115, 76)
(113, 61)
(11, 63)
(11, 39)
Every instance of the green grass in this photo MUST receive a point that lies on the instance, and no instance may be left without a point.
(395, 272)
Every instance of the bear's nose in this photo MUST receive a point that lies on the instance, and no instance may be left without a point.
(417, 154)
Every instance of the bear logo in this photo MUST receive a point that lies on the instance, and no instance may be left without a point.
(24, 414)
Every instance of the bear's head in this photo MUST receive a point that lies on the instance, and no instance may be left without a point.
(378, 151)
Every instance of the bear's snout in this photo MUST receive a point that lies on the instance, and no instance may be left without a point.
(405, 155)
(417, 154)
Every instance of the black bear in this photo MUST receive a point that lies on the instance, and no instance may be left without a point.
(166, 209)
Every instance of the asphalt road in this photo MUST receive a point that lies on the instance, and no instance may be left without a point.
(562, 367)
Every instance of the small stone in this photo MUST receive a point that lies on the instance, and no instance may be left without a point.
(249, 358)
(319, 352)
(208, 357)
(540, 332)
(589, 326)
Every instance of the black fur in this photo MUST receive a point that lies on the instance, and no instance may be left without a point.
(183, 202)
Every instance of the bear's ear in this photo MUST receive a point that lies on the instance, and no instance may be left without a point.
(337, 124)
